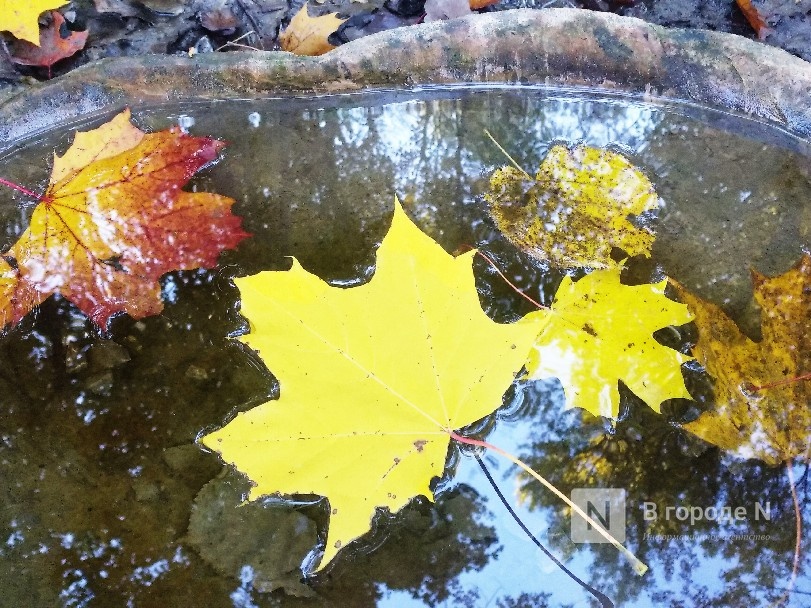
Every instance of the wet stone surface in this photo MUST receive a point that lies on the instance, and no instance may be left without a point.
(129, 28)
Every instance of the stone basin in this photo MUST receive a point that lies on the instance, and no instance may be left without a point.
(125, 444)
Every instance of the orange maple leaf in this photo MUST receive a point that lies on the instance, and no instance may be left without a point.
(113, 220)
(52, 47)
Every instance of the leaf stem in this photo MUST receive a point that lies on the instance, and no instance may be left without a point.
(782, 382)
(639, 567)
(528, 298)
(14, 186)
(799, 519)
(510, 158)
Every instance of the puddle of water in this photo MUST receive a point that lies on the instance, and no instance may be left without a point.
(100, 474)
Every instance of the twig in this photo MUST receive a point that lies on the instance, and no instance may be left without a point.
(639, 567)
(253, 23)
(14, 186)
(782, 382)
(506, 280)
(799, 519)
(235, 40)
(510, 158)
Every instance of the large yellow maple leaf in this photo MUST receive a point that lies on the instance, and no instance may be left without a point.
(601, 331)
(373, 379)
(762, 389)
(114, 220)
(20, 17)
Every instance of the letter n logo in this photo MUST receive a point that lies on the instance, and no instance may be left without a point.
(606, 506)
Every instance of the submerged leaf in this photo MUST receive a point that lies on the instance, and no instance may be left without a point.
(372, 379)
(601, 331)
(114, 220)
(772, 423)
(230, 535)
(576, 209)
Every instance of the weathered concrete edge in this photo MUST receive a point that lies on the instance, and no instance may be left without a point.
(564, 47)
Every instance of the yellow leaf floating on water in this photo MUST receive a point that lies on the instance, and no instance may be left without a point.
(21, 17)
(372, 379)
(771, 424)
(576, 209)
(307, 35)
(601, 331)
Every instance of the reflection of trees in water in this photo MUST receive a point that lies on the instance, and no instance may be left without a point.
(421, 551)
(658, 463)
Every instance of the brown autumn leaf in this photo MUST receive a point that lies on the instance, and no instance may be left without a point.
(56, 42)
(114, 220)
(308, 35)
(761, 403)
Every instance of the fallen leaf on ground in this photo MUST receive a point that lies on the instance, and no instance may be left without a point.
(53, 46)
(21, 17)
(307, 35)
(372, 379)
(601, 331)
(576, 209)
(754, 18)
(114, 220)
(771, 424)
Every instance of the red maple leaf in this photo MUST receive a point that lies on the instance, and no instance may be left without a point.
(114, 220)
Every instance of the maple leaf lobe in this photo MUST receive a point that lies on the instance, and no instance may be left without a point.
(52, 46)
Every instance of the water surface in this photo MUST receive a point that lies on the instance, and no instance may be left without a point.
(100, 475)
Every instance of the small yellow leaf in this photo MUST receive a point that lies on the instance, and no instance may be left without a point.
(601, 331)
(772, 423)
(372, 379)
(308, 35)
(20, 17)
(576, 209)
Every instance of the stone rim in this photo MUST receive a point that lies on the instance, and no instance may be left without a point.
(551, 47)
